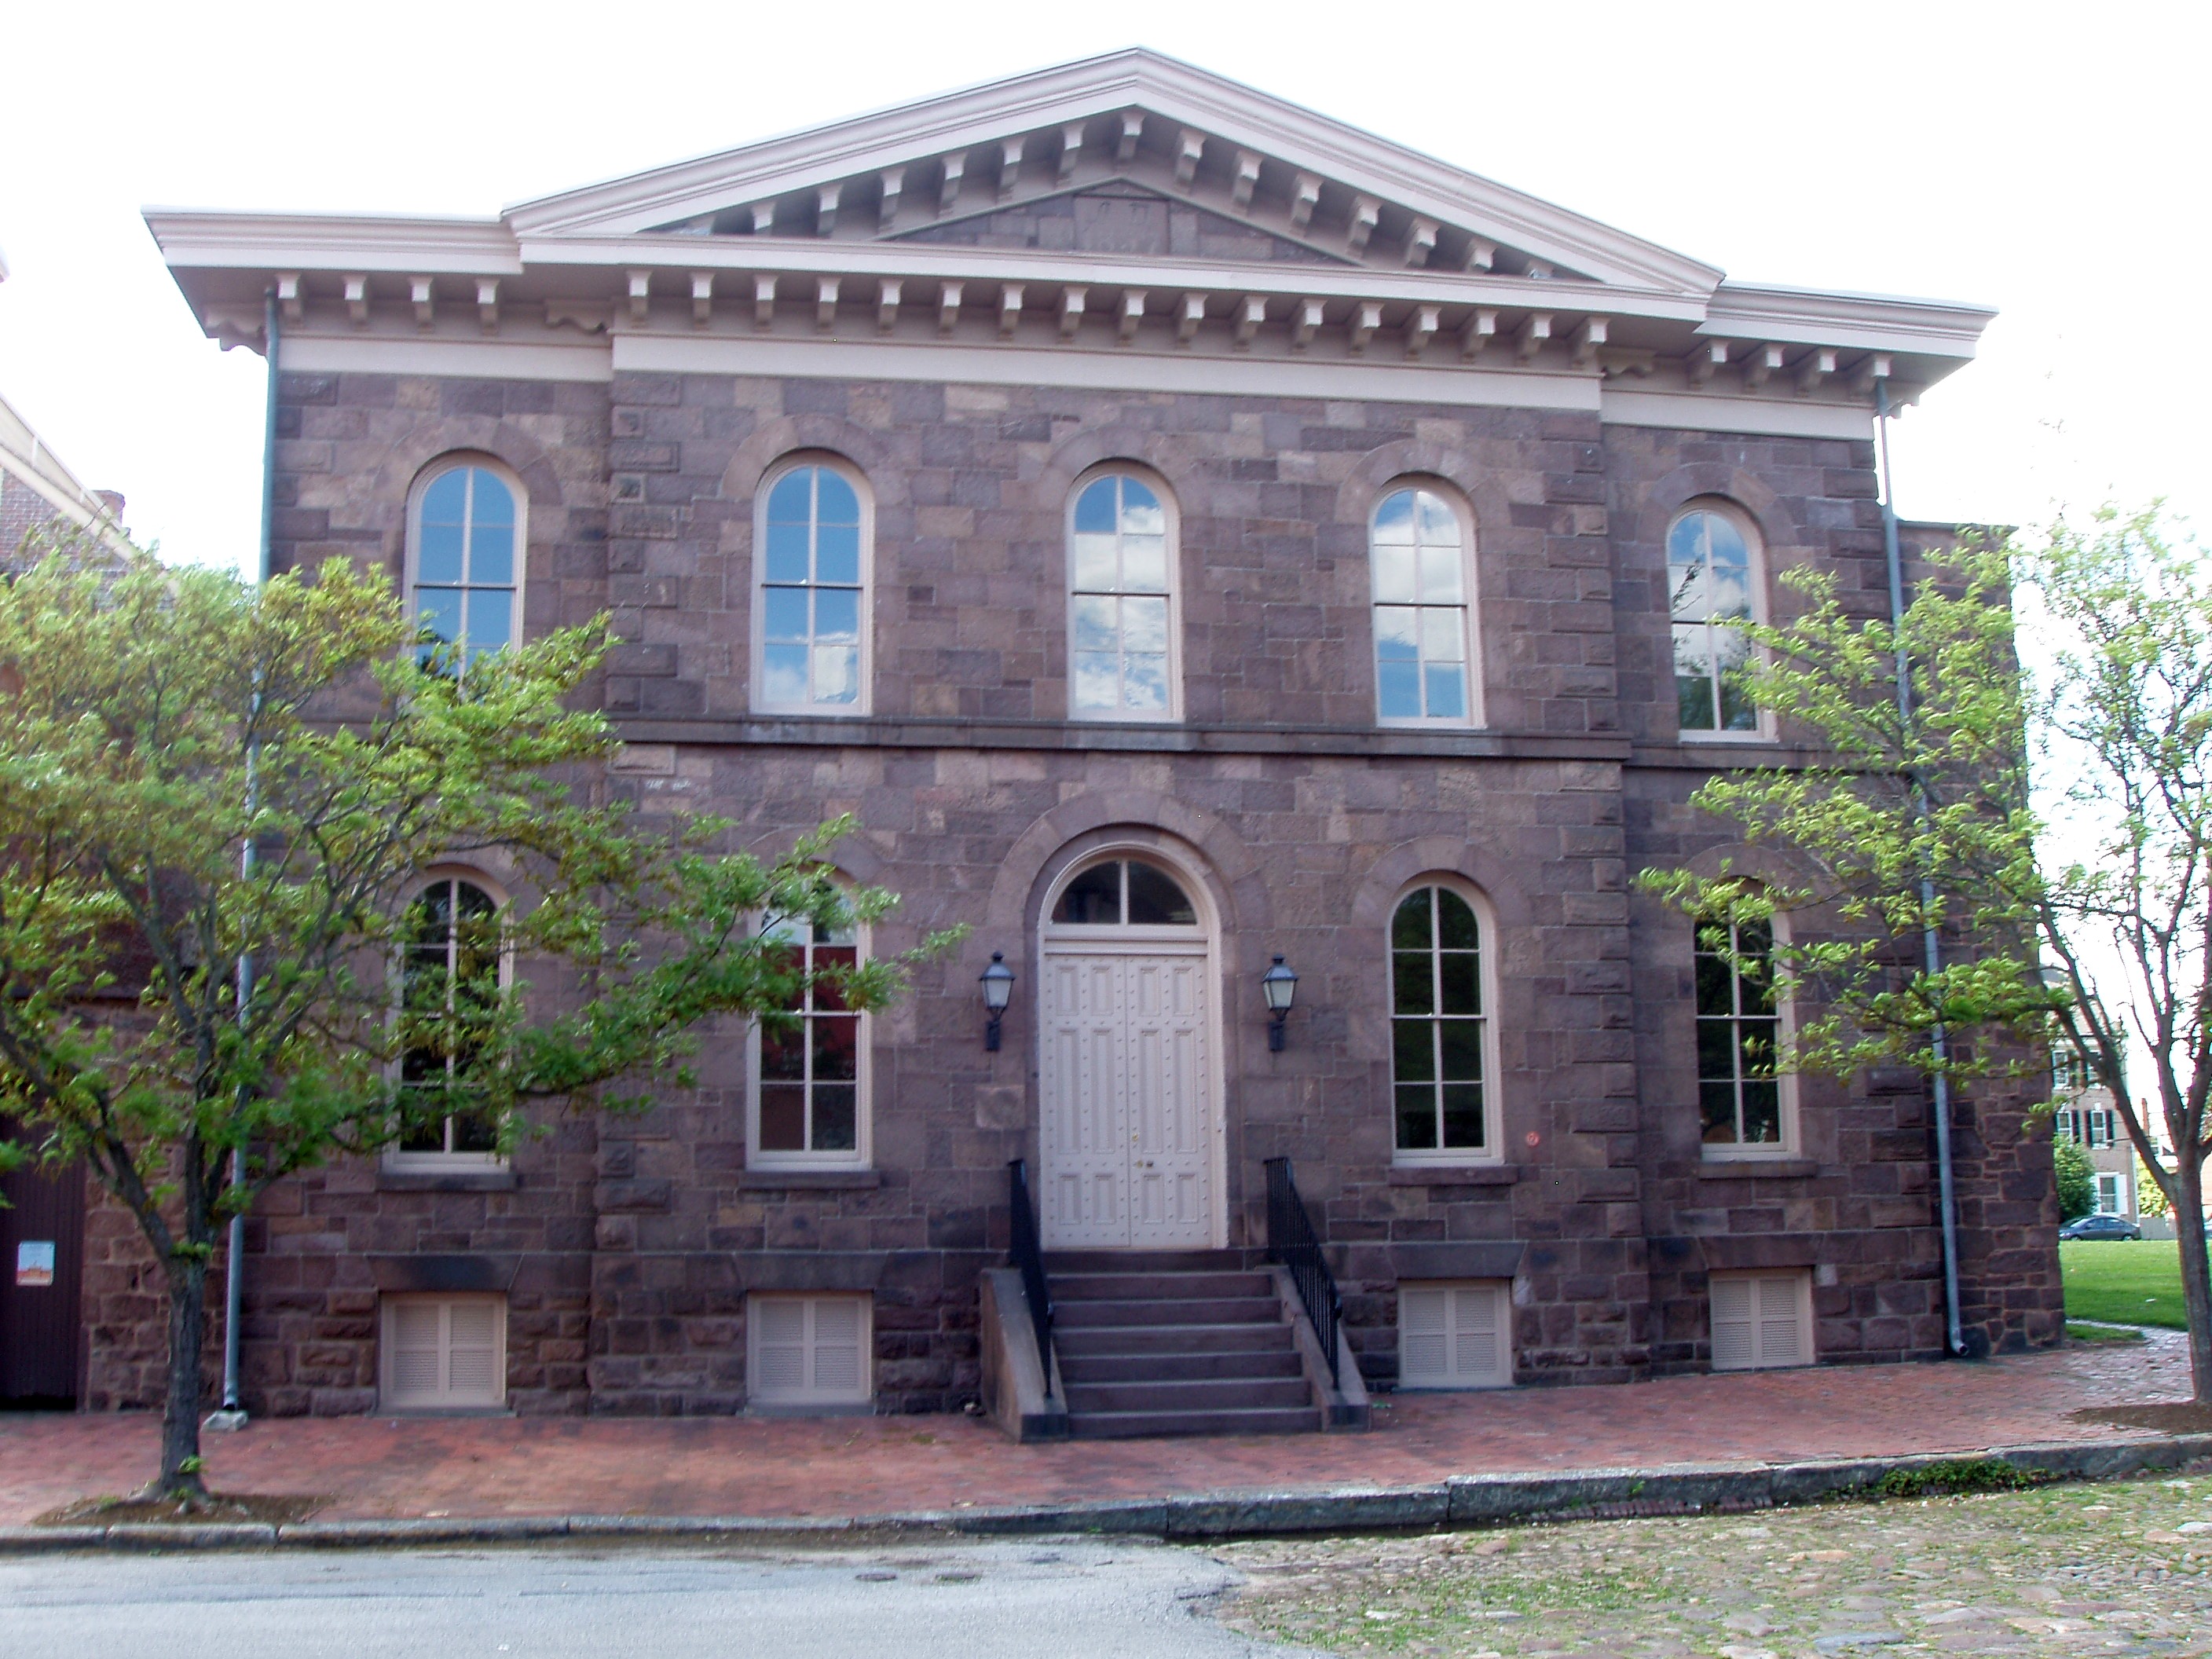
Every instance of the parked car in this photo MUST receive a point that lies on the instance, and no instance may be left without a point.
(2100, 1226)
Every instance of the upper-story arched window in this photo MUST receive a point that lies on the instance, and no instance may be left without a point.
(1121, 644)
(811, 614)
(464, 573)
(1712, 591)
(1417, 542)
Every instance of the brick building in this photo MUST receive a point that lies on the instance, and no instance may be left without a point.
(1185, 531)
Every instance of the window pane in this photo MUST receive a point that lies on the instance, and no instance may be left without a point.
(1717, 1112)
(1395, 628)
(1459, 981)
(836, 501)
(489, 618)
(783, 673)
(837, 615)
(1144, 564)
(1413, 1050)
(1438, 524)
(491, 555)
(1685, 588)
(793, 499)
(836, 1048)
(1093, 899)
(1459, 1045)
(1695, 700)
(445, 502)
(1155, 900)
(836, 673)
(1463, 1124)
(1731, 592)
(1413, 987)
(1145, 625)
(1141, 512)
(1094, 510)
(1456, 924)
(1444, 574)
(1398, 690)
(1685, 542)
(1443, 635)
(784, 614)
(1755, 1046)
(1145, 684)
(1417, 1118)
(1393, 574)
(782, 1117)
(473, 1132)
(1097, 680)
(1097, 568)
(438, 555)
(1716, 1049)
(1095, 624)
(1762, 1112)
(439, 610)
(1446, 691)
(1409, 927)
(1725, 543)
(1394, 520)
(783, 1051)
(787, 560)
(836, 1118)
(494, 503)
(837, 554)
(1715, 986)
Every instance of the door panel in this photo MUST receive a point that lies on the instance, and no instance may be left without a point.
(1128, 1113)
(41, 1285)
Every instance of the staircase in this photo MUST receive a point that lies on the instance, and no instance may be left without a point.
(1176, 1342)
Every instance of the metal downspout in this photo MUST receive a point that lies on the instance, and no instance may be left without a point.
(234, 1278)
(1946, 1195)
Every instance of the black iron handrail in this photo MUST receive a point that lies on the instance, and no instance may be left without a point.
(1292, 1241)
(1026, 1251)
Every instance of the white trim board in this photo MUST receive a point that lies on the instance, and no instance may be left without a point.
(479, 360)
(1706, 412)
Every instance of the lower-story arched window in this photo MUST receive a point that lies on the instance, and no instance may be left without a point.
(809, 1102)
(1439, 1027)
(452, 970)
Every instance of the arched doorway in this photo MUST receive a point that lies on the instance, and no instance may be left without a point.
(1130, 1126)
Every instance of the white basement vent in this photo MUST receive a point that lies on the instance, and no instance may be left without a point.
(1762, 1320)
(809, 1351)
(443, 1353)
(1455, 1336)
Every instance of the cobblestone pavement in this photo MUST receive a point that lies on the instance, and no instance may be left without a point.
(2121, 1569)
(474, 1466)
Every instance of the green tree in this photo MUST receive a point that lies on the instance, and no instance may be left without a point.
(156, 723)
(2077, 1180)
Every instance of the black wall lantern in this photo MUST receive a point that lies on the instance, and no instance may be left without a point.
(1280, 985)
(998, 982)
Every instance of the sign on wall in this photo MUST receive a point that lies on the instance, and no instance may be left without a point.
(34, 1262)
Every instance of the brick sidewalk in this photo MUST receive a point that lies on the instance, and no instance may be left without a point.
(479, 1467)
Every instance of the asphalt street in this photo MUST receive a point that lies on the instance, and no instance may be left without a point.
(1026, 1600)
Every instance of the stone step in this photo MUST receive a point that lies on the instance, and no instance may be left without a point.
(1157, 1286)
(1165, 1366)
(1135, 1339)
(1057, 1262)
(1125, 1425)
(1197, 1310)
(1087, 1399)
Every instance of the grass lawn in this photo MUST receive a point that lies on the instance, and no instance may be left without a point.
(2127, 1282)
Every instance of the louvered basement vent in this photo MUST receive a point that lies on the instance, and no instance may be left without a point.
(443, 1353)
(809, 1351)
(1455, 1336)
(1761, 1320)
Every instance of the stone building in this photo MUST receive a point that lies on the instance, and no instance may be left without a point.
(1185, 531)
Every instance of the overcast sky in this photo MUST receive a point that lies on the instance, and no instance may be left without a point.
(2048, 163)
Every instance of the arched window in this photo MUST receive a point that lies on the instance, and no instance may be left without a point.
(1417, 544)
(810, 1067)
(1739, 1030)
(1124, 893)
(465, 576)
(810, 615)
(452, 964)
(1711, 589)
(1440, 1034)
(1120, 608)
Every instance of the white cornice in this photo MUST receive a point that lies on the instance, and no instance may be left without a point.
(1135, 78)
(192, 237)
(1871, 322)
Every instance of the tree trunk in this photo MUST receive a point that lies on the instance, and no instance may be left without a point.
(180, 1417)
(2196, 1267)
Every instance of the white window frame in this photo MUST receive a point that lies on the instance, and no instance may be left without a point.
(1762, 729)
(808, 1397)
(1455, 1293)
(1173, 515)
(1794, 1283)
(387, 1349)
(401, 1160)
(1786, 1081)
(1470, 609)
(862, 1157)
(429, 475)
(1493, 1150)
(2108, 1185)
(863, 703)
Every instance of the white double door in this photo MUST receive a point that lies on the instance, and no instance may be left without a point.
(1130, 1114)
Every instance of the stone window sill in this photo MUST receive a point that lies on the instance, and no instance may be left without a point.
(764, 1181)
(446, 1180)
(1757, 1169)
(1455, 1175)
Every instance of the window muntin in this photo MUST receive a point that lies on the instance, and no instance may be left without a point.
(1708, 581)
(1124, 893)
(808, 1102)
(1439, 1027)
(1121, 620)
(813, 605)
(1739, 1031)
(453, 963)
(466, 552)
(1417, 552)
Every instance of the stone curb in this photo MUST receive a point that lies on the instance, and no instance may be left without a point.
(1471, 1500)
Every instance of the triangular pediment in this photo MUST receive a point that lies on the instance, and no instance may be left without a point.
(1134, 145)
